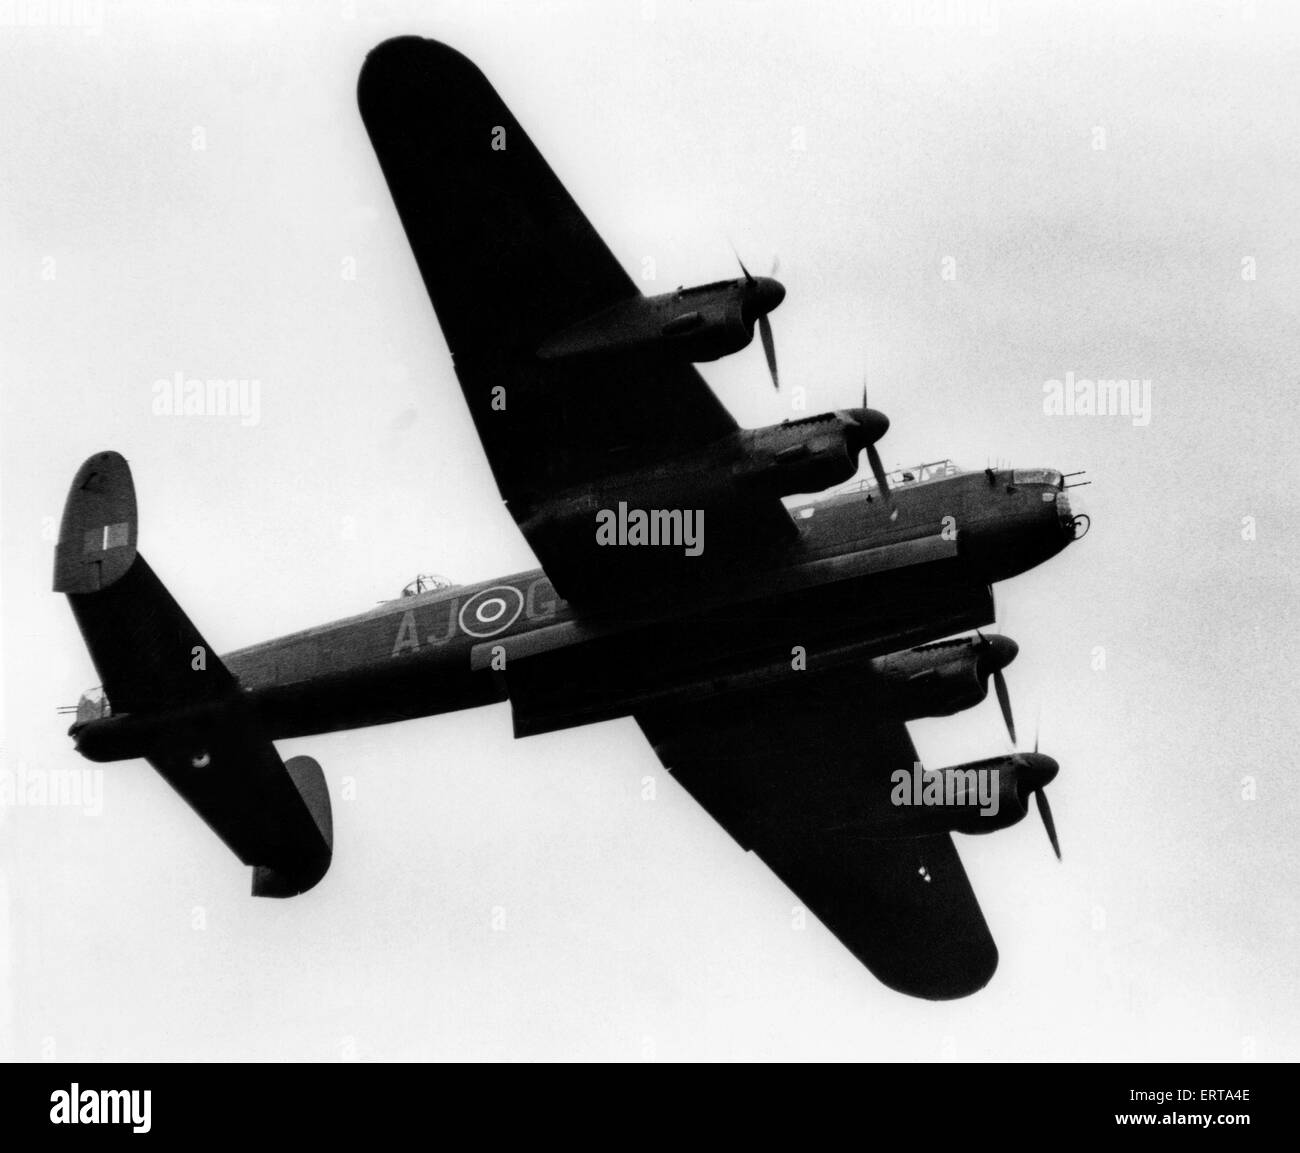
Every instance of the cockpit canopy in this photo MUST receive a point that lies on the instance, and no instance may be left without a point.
(900, 477)
(919, 474)
(427, 583)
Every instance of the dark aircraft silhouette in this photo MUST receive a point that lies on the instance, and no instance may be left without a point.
(771, 654)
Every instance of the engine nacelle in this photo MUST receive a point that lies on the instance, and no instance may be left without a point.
(937, 680)
(799, 457)
(932, 681)
(808, 455)
(978, 797)
(696, 324)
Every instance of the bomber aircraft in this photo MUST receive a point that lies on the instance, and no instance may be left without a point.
(771, 652)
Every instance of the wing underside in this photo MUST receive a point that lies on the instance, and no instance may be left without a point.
(509, 260)
(794, 777)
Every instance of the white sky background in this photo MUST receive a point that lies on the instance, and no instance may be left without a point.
(637, 928)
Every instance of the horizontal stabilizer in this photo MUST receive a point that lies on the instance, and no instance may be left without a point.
(273, 816)
(172, 699)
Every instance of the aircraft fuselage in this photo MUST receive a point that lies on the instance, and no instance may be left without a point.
(854, 585)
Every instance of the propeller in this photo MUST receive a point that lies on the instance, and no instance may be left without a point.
(762, 294)
(1045, 811)
(996, 653)
(1004, 703)
(873, 454)
(769, 348)
(1038, 771)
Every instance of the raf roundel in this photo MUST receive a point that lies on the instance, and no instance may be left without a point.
(491, 611)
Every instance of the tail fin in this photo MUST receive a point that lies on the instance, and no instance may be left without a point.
(163, 681)
(145, 649)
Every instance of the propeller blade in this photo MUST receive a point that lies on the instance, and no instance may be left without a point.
(753, 290)
(769, 347)
(1045, 811)
(1004, 701)
(882, 481)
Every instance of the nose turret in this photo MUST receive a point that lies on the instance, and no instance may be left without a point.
(1016, 519)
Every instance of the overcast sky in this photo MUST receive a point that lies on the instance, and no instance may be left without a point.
(1112, 191)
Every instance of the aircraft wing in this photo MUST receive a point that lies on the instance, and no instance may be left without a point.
(508, 260)
(791, 776)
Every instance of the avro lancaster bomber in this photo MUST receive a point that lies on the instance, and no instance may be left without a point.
(771, 651)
